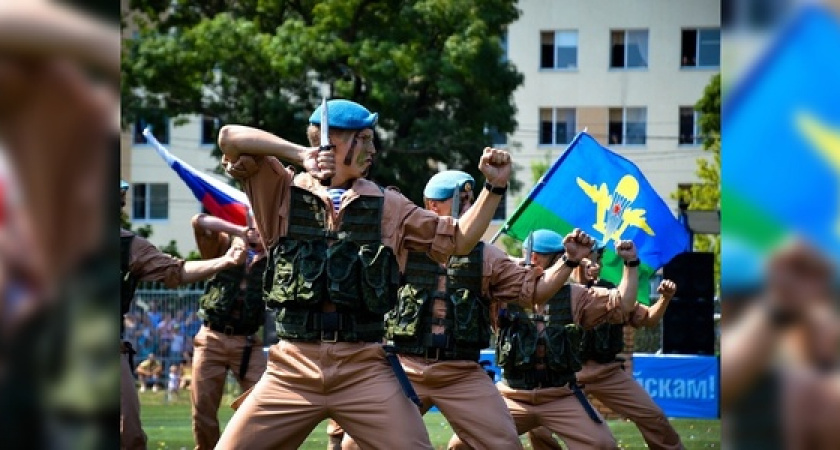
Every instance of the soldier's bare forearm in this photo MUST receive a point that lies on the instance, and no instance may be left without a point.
(629, 288)
(475, 221)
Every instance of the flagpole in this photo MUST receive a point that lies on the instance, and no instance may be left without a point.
(536, 189)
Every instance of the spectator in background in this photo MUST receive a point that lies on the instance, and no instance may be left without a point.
(192, 324)
(174, 383)
(149, 371)
(176, 347)
(186, 373)
(153, 314)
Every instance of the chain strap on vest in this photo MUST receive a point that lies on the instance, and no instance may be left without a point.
(223, 292)
(518, 341)
(467, 322)
(357, 273)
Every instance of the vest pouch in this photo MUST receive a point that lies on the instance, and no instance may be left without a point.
(563, 346)
(281, 274)
(291, 324)
(524, 345)
(472, 327)
(404, 320)
(343, 275)
(380, 278)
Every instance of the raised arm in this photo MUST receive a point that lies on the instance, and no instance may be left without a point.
(666, 289)
(629, 285)
(578, 245)
(496, 166)
(213, 235)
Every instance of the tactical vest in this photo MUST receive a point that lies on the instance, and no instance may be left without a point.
(223, 296)
(357, 273)
(516, 348)
(604, 342)
(129, 281)
(467, 322)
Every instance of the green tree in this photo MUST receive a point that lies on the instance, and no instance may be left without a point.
(706, 195)
(433, 69)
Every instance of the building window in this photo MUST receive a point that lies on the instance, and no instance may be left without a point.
(689, 126)
(700, 48)
(160, 128)
(150, 201)
(627, 126)
(209, 130)
(558, 49)
(629, 49)
(557, 125)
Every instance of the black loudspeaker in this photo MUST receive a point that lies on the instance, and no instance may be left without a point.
(689, 323)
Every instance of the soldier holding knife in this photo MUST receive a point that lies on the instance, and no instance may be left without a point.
(337, 244)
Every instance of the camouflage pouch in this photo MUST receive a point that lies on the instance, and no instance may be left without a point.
(380, 278)
(524, 344)
(563, 348)
(472, 325)
(298, 275)
(343, 274)
(404, 320)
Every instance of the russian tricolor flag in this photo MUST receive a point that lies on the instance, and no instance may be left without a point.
(220, 199)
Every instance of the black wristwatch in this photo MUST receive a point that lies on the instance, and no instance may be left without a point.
(568, 262)
(494, 189)
(634, 263)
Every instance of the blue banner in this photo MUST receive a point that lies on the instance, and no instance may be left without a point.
(682, 385)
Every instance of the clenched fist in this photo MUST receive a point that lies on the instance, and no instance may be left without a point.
(237, 254)
(578, 245)
(320, 165)
(626, 250)
(496, 166)
(667, 289)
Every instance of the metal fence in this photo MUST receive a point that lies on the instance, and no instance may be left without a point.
(164, 322)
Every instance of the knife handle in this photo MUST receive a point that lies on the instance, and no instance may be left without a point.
(326, 181)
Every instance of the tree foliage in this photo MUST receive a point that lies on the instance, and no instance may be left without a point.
(706, 194)
(432, 69)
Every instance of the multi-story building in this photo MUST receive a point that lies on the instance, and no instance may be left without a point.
(629, 72)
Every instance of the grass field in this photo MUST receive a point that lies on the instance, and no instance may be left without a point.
(168, 426)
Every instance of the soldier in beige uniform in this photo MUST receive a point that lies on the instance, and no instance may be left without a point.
(142, 261)
(603, 375)
(233, 310)
(539, 352)
(335, 256)
(443, 321)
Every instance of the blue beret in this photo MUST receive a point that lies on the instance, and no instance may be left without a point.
(741, 268)
(123, 185)
(547, 241)
(442, 185)
(346, 114)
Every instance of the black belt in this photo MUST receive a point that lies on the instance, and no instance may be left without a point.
(228, 330)
(434, 354)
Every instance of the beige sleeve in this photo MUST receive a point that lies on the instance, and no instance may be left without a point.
(503, 280)
(267, 184)
(150, 264)
(596, 305)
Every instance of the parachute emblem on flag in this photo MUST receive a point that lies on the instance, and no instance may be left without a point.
(614, 213)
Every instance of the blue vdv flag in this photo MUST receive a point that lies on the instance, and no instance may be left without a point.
(781, 133)
(607, 196)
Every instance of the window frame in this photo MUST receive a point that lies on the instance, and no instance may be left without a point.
(697, 65)
(626, 32)
(145, 143)
(554, 48)
(147, 202)
(554, 110)
(624, 126)
(697, 138)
